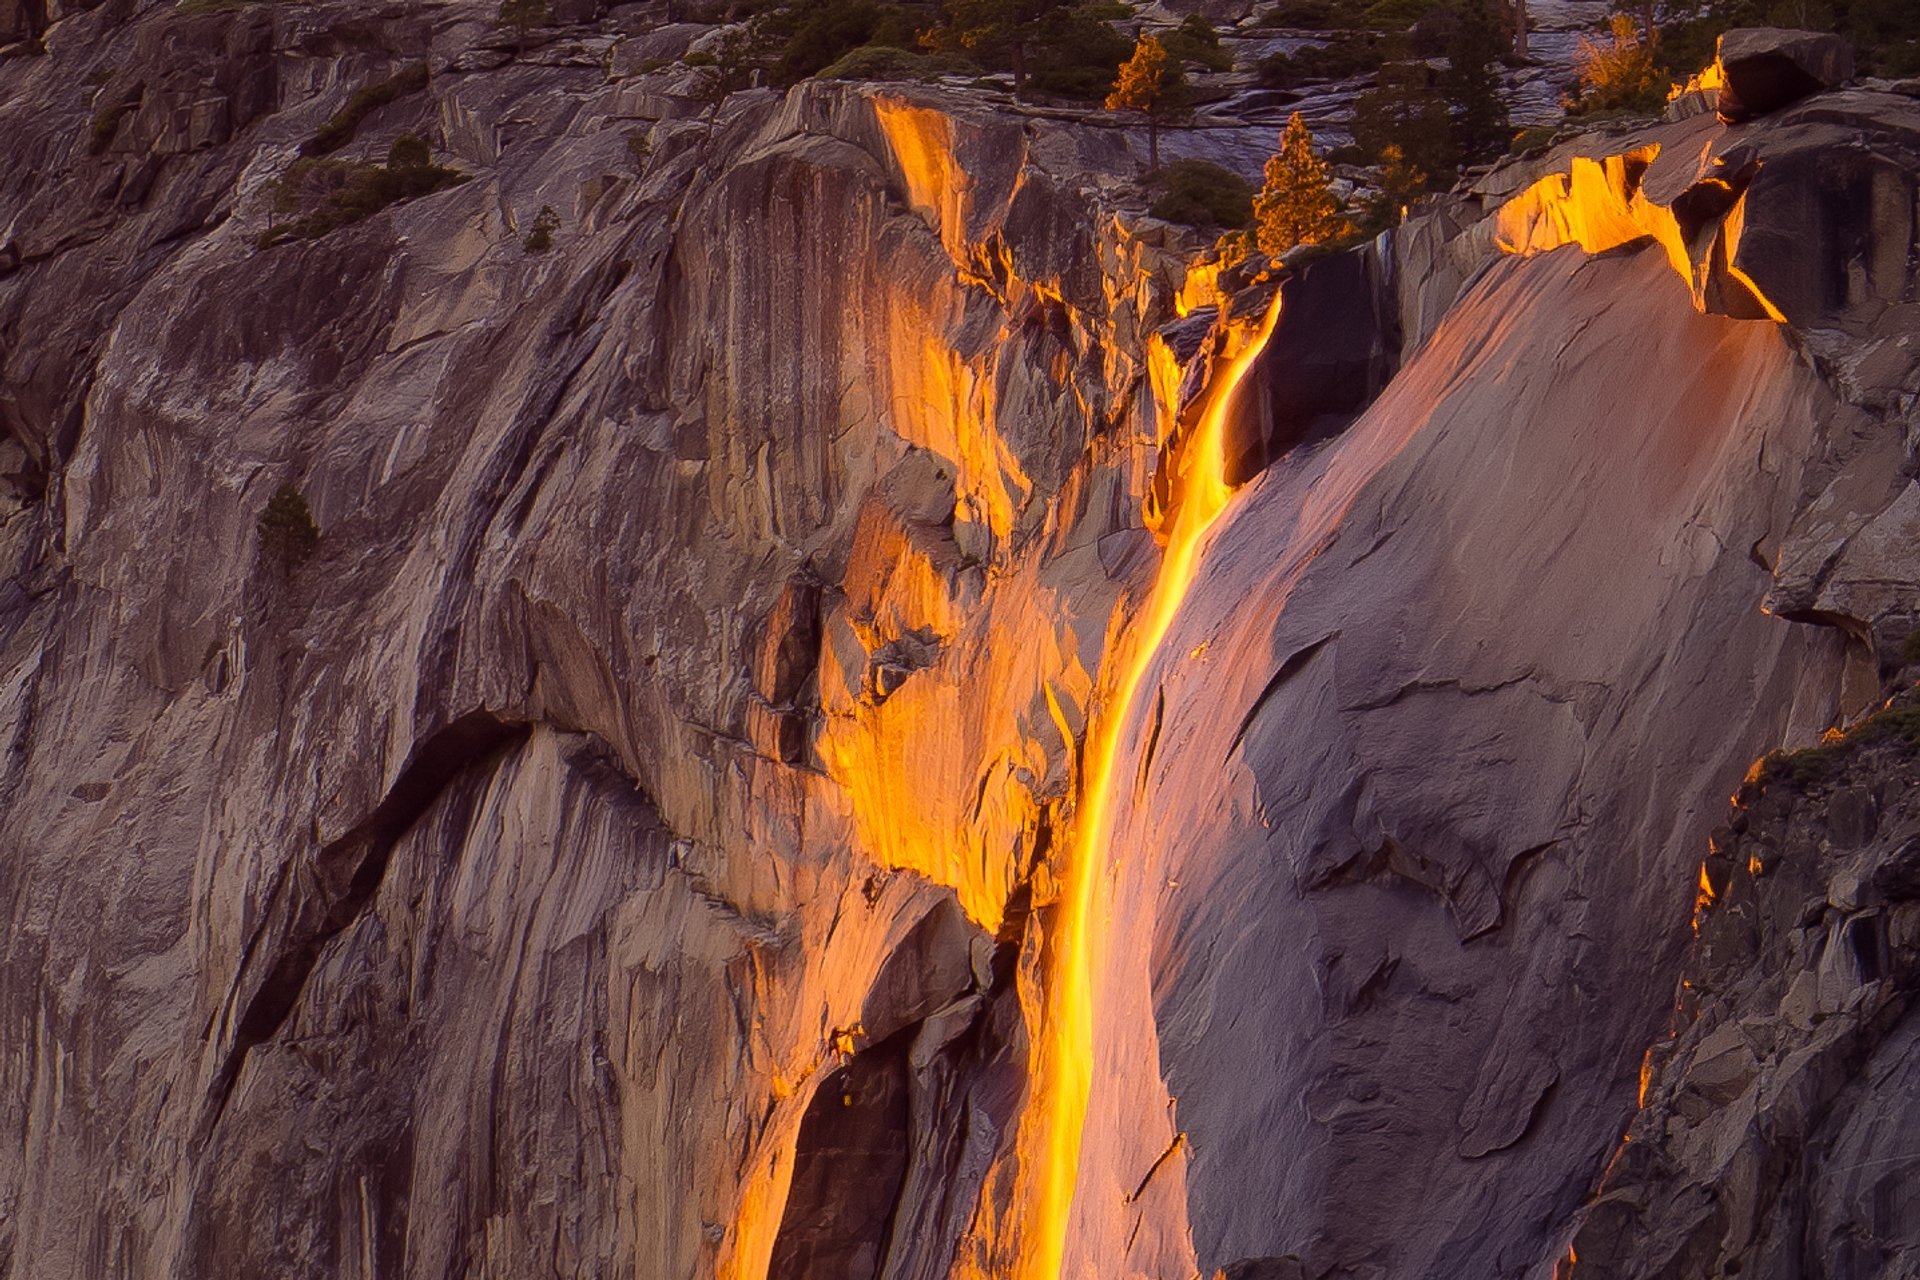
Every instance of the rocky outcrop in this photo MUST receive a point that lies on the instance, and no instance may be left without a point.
(1763, 69)
(1775, 1132)
(700, 607)
(630, 844)
(1431, 761)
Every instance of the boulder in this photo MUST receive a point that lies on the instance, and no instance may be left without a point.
(1766, 68)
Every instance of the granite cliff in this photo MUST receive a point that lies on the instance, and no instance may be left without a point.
(637, 840)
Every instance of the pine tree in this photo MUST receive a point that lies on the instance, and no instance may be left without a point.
(1008, 26)
(1404, 110)
(1296, 206)
(1151, 83)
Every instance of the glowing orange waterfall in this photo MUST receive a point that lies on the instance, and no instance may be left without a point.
(1065, 1067)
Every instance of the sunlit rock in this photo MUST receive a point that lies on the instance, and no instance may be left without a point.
(817, 736)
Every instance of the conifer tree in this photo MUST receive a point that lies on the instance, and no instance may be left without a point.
(1004, 25)
(1296, 206)
(1153, 84)
(1401, 182)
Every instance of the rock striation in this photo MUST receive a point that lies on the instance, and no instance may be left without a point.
(630, 843)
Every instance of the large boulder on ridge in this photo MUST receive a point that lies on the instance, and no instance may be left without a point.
(1766, 68)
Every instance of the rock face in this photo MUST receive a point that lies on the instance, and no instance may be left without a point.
(1426, 770)
(629, 844)
(1763, 69)
(700, 608)
(1775, 1133)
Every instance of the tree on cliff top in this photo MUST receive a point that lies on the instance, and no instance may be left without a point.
(724, 69)
(996, 25)
(1153, 84)
(1471, 81)
(1297, 205)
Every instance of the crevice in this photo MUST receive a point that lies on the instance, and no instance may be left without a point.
(1179, 1141)
(1152, 742)
(315, 901)
(1295, 663)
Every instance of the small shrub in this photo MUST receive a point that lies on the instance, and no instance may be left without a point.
(1195, 40)
(1203, 195)
(1538, 138)
(1896, 723)
(823, 34)
(409, 151)
(330, 194)
(1346, 56)
(1234, 248)
(882, 62)
(724, 69)
(545, 223)
(288, 534)
(1315, 15)
(523, 16)
(1618, 73)
(1396, 15)
(1399, 184)
(1910, 648)
(338, 131)
(106, 125)
(639, 147)
(1795, 768)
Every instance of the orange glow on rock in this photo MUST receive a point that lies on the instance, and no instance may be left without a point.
(1199, 288)
(1709, 80)
(1598, 204)
(1703, 899)
(1064, 1050)
(922, 143)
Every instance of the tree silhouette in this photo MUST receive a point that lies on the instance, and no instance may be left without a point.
(523, 16)
(1471, 81)
(1009, 25)
(287, 531)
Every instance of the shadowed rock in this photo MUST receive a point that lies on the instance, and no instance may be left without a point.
(1766, 68)
(1332, 350)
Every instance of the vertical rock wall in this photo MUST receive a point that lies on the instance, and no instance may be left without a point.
(666, 728)
(626, 846)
